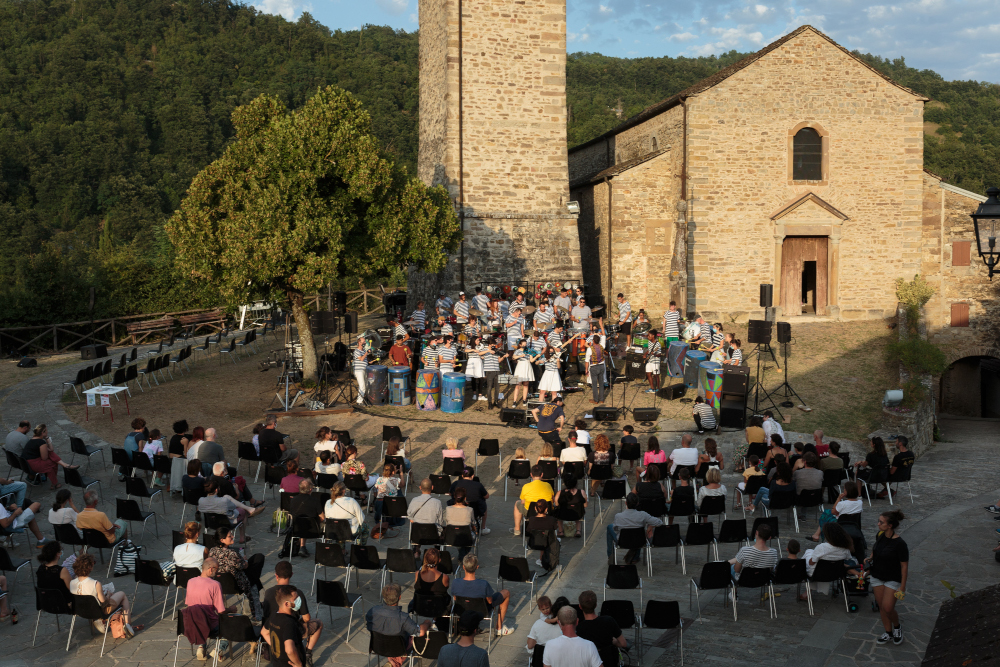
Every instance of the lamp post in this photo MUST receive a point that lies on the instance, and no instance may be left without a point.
(986, 220)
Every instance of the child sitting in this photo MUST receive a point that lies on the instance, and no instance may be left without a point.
(153, 447)
(326, 464)
(793, 549)
(629, 450)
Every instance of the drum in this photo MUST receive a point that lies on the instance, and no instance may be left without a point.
(463, 339)
(676, 352)
(720, 356)
(703, 369)
(377, 379)
(428, 389)
(578, 348)
(713, 384)
(691, 362)
(611, 329)
(453, 392)
(641, 328)
(399, 386)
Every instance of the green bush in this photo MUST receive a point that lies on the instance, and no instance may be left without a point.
(915, 293)
(918, 356)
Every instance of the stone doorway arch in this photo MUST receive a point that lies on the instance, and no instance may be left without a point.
(971, 386)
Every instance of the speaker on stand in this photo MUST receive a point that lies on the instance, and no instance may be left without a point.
(351, 322)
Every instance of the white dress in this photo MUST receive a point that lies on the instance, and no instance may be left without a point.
(523, 371)
(474, 368)
(550, 379)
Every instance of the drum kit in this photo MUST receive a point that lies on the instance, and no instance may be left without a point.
(373, 345)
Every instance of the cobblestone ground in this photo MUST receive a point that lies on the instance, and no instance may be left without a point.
(949, 534)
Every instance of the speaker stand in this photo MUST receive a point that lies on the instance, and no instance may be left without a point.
(757, 402)
(787, 390)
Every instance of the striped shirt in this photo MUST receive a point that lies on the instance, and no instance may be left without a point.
(704, 411)
(462, 311)
(504, 308)
(555, 339)
(430, 356)
(444, 303)
(552, 364)
(736, 354)
(624, 311)
(542, 320)
(400, 331)
(360, 360)
(446, 356)
(537, 344)
(655, 350)
(671, 324)
(753, 557)
(481, 302)
(420, 317)
(472, 328)
(717, 338)
(491, 362)
(514, 331)
(446, 329)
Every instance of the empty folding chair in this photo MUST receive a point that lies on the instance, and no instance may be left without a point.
(661, 615)
(363, 558)
(715, 575)
(132, 373)
(333, 594)
(400, 561)
(614, 489)
(136, 486)
(150, 573)
(229, 351)
(10, 564)
(790, 572)
(755, 577)
(733, 531)
(623, 578)
(829, 571)
(440, 485)
(812, 498)
(712, 506)
(515, 569)
(149, 372)
(903, 474)
(665, 537)
(329, 554)
(702, 534)
(79, 381)
(72, 477)
(245, 451)
(130, 511)
(78, 446)
(452, 467)
(489, 447)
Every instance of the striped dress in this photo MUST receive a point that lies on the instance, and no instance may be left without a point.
(550, 379)
(671, 324)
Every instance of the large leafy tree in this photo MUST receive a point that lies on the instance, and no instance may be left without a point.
(302, 198)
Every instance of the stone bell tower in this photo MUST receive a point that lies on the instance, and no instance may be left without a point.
(493, 131)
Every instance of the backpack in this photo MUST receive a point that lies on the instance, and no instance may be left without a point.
(280, 520)
(119, 629)
(125, 561)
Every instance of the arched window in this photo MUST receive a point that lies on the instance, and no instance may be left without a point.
(807, 158)
(656, 144)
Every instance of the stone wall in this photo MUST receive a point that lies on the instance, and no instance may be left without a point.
(493, 131)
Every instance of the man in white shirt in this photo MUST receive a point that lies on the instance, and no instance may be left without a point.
(772, 426)
(570, 650)
(443, 305)
(562, 301)
(685, 455)
(581, 315)
(425, 508)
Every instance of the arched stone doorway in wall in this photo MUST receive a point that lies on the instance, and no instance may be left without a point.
(971, 387)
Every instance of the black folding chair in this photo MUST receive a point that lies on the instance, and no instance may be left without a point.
(181, 576)
(812, 498)
(440, 485)
(515, 569)
(518, 470)
(389, 646)
(755, 577)
(329, 554)
(633, 539)
(150, 573)
(481, 605)
(902, 474)
(613, 489)
(790, 572)
(398, 560)
(245, 451)
(51, 601)
(180, 633)
(665, 537)
(72, 477)
(78, 446)
(119, 457)
(712, 506)
(623, 612)
(661, 615)
(95, 539)
(393, 507)
(191, 498)
(424, 534)
(452, 467)
(236, 629)
(141, 461)
(750, 489)
(9, 564)
(66, 533)
(333, 594)
(489, 447)
(715, 575)
(829, 571)
(130, 511)
(702, 534)
(733, 531)
(550, 470)
(771, 521)
(87, 607)
(623, 578)
(363, 558)
(429, 646)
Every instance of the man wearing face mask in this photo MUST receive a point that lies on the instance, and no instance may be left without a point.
(309, 628)
(282, 630)
(389, 619)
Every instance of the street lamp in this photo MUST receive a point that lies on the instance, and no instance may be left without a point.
(988, 214)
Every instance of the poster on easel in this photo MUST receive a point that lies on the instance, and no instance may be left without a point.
(105, 401)
(91, 400)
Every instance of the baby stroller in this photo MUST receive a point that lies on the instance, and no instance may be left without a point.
(857, 587)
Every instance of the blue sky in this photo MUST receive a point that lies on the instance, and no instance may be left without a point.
(954, 38)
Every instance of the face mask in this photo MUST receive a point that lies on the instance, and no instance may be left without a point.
(298, 604)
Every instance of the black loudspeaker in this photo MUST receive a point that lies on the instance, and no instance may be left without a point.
(340, 303)
(736, 380)
(759, 332)
(784, 332)
(645, 414)
(351, 322)
(675, 391)
(27, 362)
(315, 324)
(606, 414)
(330, 321)
(95, 351)
(769, 314)
(766, 294)
(635, 367)
(512, 416)
(732, 411)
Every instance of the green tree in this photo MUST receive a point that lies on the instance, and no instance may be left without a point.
(302, 198)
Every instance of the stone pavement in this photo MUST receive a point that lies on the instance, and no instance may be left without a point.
(949, 534)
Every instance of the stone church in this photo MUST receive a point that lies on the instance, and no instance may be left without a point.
(800, 166)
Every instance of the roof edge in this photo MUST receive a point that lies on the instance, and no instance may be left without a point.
(813, 197)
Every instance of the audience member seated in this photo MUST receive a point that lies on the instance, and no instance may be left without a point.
(775, 448)
(757, 554)
(231, 561)
(795, 459)
(833, 461)
(569, 503)
(459, 515)
(837, 545)
(63, 509)
(569, 650)
(546, 627)
(388, 619)
(353, 466)
(572, 452)
(290, 482)
(601, 456)
(51, 575)
(632, 517)
(712, 458)
(535, 490)
(193, 481)
(713, 486)
(476, 495)
(471, 587)
(42, 458)
(753, 434)
(18, 438)
(682, 490)
(903, 459)
(808, 477)
(425, 508)
(329, 441)
(649, 487)
(685, 455)
(780, 485)
(753, 470)
(653, 453)
(602, 630)
(92, 518)
(310, 627)
(271, 437)
(875, 460)
(428, 580)
(326, 464)
(387, 485)
(341, 506)
(847, 503)
(204, 590)
(452, 450)
(548, 453)
(543, 522)
(628, 449)
(235, 488)
(83, 584)
(393, 447)
(190, 554)
(304, 504)
(237, 512)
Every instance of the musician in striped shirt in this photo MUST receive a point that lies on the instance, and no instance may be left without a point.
(672, 323)
(419, 317)
(446, 329)
(625, 319)
(430, 354)
(446, 356)
(360, 368)
(514, 325)
(556, 336)
(716, 337)
(398, 330)
(536, 342)
(543, 316)
(735, 353)
(653, 353)
(481, 302)
(704, 417)
(471, 330)
(461, 309)
(491, 371)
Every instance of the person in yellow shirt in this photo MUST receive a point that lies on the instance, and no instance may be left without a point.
(535, 490)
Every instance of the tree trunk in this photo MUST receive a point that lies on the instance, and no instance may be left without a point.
(301, 317)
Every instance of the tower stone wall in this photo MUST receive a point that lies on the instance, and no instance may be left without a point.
(493, 132)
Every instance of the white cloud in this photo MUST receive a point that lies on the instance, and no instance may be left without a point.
(580, 37)
(286, 8)
(760, 9)
(604, 9)
(683, 37)
(414, 18)
(394, 7)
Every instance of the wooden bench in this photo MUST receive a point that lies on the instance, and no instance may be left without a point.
(140, 330)
(190, 324)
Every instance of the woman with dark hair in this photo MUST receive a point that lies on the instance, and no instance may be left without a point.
(63, 509)
(569, 503)
(83, 584)
(877, 459)
(649, 486)
(290, 482)
(712, 458)
(42, 458)
(837, 546)
(550, 381)
(889, 566)
(781, 484)
(653, 452)
(176, 448)
(193, 481)
(601, 456)
(50, 574)
(231, 562)
(776, 446)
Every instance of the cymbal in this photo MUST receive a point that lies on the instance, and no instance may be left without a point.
(410, 323)
(562, 311)
(529, 310)
(475, 312)
(596, 308)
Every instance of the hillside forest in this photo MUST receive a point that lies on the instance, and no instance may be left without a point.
(109, 108)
